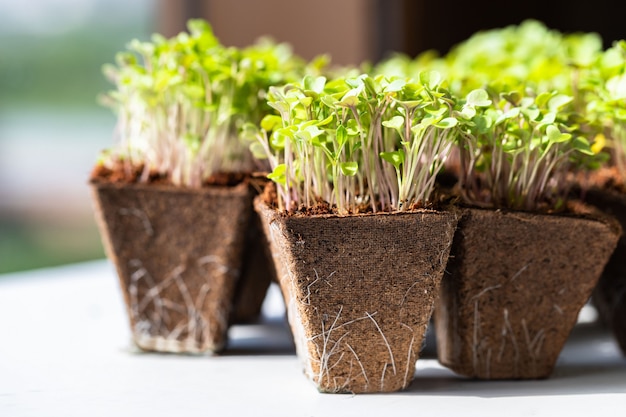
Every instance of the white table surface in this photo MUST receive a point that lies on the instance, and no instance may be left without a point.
(65, 350)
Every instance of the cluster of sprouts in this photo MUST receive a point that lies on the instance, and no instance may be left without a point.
(606, 103)
(358, 143)
(510, 112)
(181, 102)
(517, 151)
(525, 114)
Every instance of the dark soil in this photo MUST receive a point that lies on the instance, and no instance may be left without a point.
(607, 178)
(126, 174)
(270, 197)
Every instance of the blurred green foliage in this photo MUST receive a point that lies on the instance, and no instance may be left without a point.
(63, 69)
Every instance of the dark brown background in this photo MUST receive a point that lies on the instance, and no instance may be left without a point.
(352, 31)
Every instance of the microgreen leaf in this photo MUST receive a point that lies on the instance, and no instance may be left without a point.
(395, 85)
(478, 98)
(395, 122)
(559, 101)
(582, 145)
(315, 84)
(278, 175)
(554, 135)
(447, 123)
(349, 168)
(270, 122)
(342, 135)
(396, 158)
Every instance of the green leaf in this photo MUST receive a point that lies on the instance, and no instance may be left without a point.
(349, 168)
(281, 106)
(342, 135)
(315, 84)
(447, 123)
(468, 112)
(512, 97)
(325, 121)
(549, 117)
(308, 133)
(257, 150)
(270, 122)
(278, 138)
(532, 113)
(542, 99)
(554, 135)
(582, 145)
(616, 87)
(349, 99)
(395, 158)
(395, 85)
(478, 98)
(278, 175)
(483, 124)
(559, 101)
(436, 112)
(395, 122)
(509, 114)
(305, 101)
(370, 86)
(248, 132)
(431, 78)
(330, 101)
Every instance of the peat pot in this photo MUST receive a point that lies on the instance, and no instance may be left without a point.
(178, 254)
(516, 284)
(359, 291)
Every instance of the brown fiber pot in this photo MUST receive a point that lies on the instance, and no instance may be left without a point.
(360, 291)
(178, 253)
(516, 284)
(609, 296)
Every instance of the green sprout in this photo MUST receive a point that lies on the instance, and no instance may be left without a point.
(605, 89)
(182, 102)
(358, 143)
(509, 58)
(518, 149)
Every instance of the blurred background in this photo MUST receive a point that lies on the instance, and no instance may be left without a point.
(51, 53)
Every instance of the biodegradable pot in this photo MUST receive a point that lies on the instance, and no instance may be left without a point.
(516, 284)
(609, 296)
(178, 253)
(360, 291)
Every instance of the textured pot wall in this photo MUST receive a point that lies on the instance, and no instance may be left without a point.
(360, 291)
(516, 284)
(178, 256)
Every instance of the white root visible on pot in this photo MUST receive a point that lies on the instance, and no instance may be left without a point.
(153, 333)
